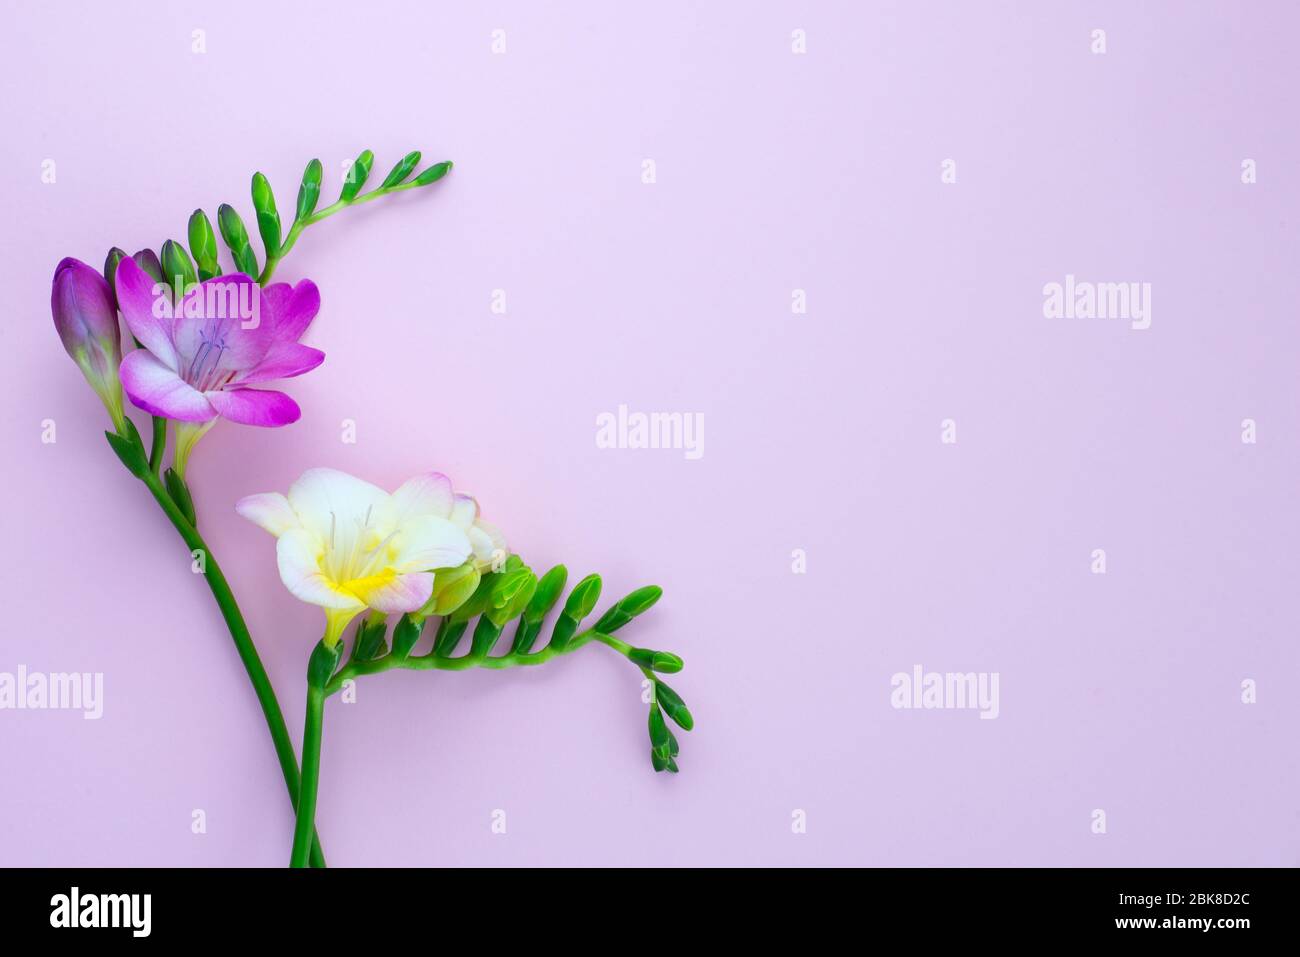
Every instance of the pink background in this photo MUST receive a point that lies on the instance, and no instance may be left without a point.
(775, 172)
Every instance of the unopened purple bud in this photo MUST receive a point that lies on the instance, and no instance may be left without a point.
(86, 319)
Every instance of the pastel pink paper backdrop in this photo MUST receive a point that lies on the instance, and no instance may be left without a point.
(775, 172)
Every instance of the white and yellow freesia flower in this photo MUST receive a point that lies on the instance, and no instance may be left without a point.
(347, 545)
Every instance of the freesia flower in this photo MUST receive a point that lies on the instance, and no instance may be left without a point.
(203, 354)
(86, 320)
(347, 545)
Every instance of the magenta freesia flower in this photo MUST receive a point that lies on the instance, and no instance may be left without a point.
(202, 354)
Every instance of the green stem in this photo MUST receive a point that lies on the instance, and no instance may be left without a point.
(460, 663)
(243, 644)
(618, 644)
(311, 738)
(299, 225)
(159, 444)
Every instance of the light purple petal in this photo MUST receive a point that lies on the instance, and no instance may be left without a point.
(255, 406)
(136, 299)
(219, 330)
(160, 391)
(291, 308)
(284, 360)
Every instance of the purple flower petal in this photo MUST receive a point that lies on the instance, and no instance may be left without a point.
(160, 391)
(135, 297)
(219, 331)
(284, 360)
(291, 308)
(255, 406)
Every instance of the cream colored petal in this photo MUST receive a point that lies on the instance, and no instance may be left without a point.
(298, 555)
(426, 544)
(495, 534)
(269, 510)
(486, 547)
(464, 510)
(335, 506)
(427, 494)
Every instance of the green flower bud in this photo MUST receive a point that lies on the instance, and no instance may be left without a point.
(114, 257)
(486, 633)
(406, 633)
(661, 661)
(433, 174)
(203, 245)
(369, 642)
(268, 218)
(401, 170)
(666, 663)
(478, 602)
(236, 237)
(309, 190)
(324, 659)
(511, 595)
(546, 594)
(562, 633)
(450, 631)
(658, 730)
(178, 270)
(628, 608)
(583, 598)
(673, 706)
(659, 759)
(357, 176)
(452, 587)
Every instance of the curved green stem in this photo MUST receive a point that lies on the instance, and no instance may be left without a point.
(299, 225)
(460, 663)
(243, 644)
(311, 738)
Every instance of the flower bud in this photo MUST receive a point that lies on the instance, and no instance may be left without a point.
(511, 594)
(268, 218)
(664, 662)
(148, 260)
(628, 607)
(236, 237)
(406, 633)
(178, 268)
(402, 170)
(673, 706)
(309, 191)
(203, 244)
(452, 587)
(114, 257)
(86, 319)
(357, 176)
